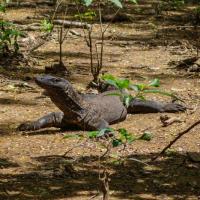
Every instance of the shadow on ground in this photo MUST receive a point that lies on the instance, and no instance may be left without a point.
(56, 178)
(10, 101)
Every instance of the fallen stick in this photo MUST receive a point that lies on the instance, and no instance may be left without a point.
(176, 27)
(40, 41)
(69, 24)
(30, 27)
(175, 139)
(30, 4)
(65, 23)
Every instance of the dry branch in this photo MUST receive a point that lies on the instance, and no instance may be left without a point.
(30, 4)
(65, 23)
(40, 41)
(175, 139)
(29, 27)
(104, 181)
(70, 24)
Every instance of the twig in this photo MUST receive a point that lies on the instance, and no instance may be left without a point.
(105, 184)
(94, 196)
(88, 39)
(55, 10)
(102, 41)
(108, 149)
(74, 147)
(96, 48)
(176, 138)
(111, 20)
(103, 31)
(41, 40)
(90, 44)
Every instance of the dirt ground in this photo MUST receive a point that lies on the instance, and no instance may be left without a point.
(31, 163)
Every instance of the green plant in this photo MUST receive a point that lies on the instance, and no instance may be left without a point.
(125, 86)
(118, 137)
(46, 26)
(8, 33)
(97, 48)
(8, 38)
(88, 15)
(3, 7)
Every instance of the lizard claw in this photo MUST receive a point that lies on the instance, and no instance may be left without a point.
(25, 127)
(174, 107)
(106, 135)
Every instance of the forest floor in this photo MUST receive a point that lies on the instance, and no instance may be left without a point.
(31, 163)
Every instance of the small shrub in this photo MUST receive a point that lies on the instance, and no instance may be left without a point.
(8, 35)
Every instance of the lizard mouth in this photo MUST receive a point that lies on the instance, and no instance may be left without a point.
(50, 82)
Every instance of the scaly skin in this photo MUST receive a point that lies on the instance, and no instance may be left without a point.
(89, 112)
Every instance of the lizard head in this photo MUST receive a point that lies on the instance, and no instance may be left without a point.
(52, 84)
(61, 92)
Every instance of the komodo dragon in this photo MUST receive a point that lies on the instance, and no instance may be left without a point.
(89, 111)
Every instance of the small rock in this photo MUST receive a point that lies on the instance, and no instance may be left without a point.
(194, 68)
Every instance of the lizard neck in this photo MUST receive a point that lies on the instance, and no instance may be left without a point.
(69, 102)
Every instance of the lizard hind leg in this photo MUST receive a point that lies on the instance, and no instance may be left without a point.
(54, 119)
(147, 106)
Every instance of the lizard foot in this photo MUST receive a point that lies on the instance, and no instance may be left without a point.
(106, 135)
(174, 107)
(28, 126)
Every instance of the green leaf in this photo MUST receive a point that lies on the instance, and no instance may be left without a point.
(118, 83)
(155, 83)
(123, 131)
(104, 131)
(15, 33)
(88, 2)
(146, 136)
(46, 26)
(116, 142)
(127, 99)
(124, 135)
(123, 83)
(133, 1)
(112, 82)
(2, 8)
(92, 134)
(5, 23)
(141, 97)
(140, 87)
(161, 92)
(134, 87)
(89, 15)
(108, 76)
(117, 3)
(95, 134)
(115, 94)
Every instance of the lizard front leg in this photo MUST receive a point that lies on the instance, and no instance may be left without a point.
(54, 119)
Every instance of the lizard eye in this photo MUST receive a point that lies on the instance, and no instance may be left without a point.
(56, 80)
